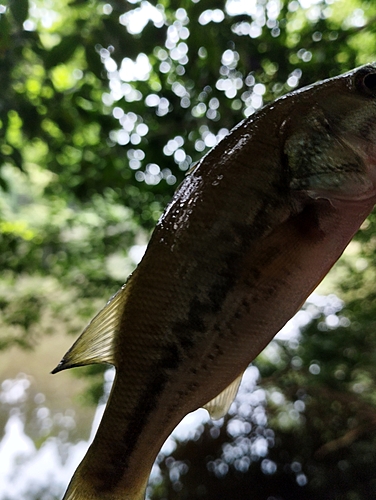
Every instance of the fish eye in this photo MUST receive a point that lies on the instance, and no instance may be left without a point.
(366, 83)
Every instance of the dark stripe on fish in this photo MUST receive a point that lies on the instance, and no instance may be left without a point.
(118, 462)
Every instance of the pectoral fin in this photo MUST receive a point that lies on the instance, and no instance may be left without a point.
(219, 406)
(96, 343)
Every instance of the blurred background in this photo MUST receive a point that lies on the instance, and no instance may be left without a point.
(104, 106)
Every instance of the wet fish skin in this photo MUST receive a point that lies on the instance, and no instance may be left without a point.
(247, 237)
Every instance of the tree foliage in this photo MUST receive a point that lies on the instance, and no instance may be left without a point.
(103, 109)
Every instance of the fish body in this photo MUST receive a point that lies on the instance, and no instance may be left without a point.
(247, 237)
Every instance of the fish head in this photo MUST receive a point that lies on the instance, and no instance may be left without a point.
(329, 138)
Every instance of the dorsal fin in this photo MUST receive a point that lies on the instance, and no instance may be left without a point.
(219, 406)
(96, 343)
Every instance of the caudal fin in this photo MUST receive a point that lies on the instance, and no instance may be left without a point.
(82, 488)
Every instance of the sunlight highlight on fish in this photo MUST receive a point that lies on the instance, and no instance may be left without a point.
(247, 237)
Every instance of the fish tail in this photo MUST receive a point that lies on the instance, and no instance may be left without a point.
(95, 478)
(82, 488)
(81, 494)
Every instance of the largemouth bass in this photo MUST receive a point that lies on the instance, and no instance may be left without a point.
(246, 238)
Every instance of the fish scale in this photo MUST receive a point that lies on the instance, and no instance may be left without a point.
(249, 234)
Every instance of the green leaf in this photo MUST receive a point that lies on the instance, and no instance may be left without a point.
(17, 158)
(75, 3)
(4, 33)
(4, 185)
(63, 51)
(94, 61)
(19, 10)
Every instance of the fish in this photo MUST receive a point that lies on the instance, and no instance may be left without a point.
(248, 235)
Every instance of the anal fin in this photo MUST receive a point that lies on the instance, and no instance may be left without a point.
(219, 406)
(96, 343)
